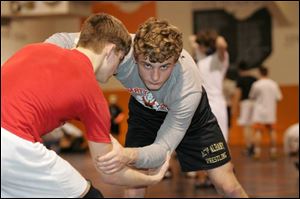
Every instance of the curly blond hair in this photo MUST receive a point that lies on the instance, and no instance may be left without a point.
(158, 40)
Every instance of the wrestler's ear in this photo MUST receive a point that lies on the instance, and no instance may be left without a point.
(109, 49)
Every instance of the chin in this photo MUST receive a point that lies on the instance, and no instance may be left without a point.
(154, 88)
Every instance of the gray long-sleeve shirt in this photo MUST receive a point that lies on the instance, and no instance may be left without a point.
(179, 96)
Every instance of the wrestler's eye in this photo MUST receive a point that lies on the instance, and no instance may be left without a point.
(148, 66)
(164, 67)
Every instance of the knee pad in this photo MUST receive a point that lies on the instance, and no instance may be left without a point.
(93, 193)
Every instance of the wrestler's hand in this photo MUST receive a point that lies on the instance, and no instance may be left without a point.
(113, 161)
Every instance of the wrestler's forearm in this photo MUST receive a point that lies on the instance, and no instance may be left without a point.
(151, 156)
(125, 176)
(144, 157)
(131, 154)
(129, 177)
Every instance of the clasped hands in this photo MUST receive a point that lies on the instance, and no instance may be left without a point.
(119, 157)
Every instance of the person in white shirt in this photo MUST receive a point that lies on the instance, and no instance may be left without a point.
(213, 62)
(265, 94)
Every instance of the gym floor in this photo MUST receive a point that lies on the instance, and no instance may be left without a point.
(260, 178)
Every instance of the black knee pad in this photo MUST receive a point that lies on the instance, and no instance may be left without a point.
(93, 193)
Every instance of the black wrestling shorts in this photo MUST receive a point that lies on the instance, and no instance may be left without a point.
(203, 146)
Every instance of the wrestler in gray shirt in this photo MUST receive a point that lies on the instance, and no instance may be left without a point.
(179, 97)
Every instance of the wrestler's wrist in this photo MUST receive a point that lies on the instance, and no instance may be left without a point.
(130, 155)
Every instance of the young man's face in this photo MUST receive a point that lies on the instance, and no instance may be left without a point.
(154, 75)
(109, 66)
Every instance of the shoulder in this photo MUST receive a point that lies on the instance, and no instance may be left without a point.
(41, 49)
(256, 83)
(186, 60)
(185, 55)
(64, 40)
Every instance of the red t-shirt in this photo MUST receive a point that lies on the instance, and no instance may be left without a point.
(43, 85)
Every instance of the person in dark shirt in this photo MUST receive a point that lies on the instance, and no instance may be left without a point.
(244, 104)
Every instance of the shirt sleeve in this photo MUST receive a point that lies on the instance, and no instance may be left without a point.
(96, 118)
(170, 133)
(64, 40)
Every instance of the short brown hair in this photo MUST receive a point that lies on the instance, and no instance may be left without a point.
(98, 29)
(263, 71)
(208, 39)
(158, 40)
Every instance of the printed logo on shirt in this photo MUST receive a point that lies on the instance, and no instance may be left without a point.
(146, 98)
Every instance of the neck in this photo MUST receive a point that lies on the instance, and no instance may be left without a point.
(95, 59)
